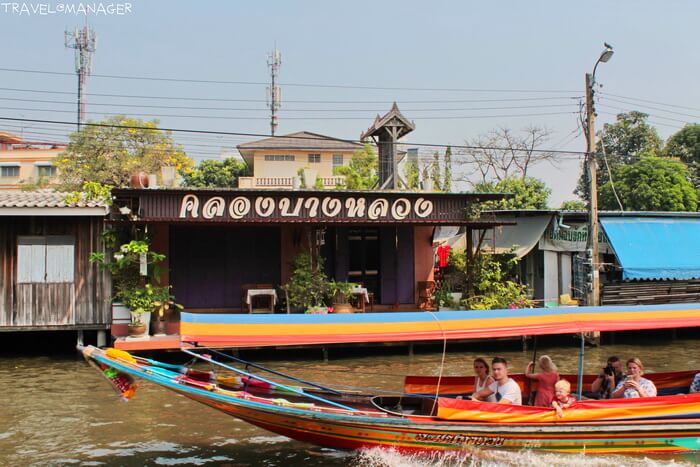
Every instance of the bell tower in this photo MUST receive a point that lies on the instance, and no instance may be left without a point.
(386, 132)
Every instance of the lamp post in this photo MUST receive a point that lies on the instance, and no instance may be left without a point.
(592, 241)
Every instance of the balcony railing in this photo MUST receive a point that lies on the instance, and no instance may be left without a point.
(283, 182)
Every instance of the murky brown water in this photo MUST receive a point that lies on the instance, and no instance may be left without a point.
(59, 411)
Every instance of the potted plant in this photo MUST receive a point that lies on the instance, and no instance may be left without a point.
(126, 265)
(163, 307)
(341, 293)
(308, 284)
(140, 301)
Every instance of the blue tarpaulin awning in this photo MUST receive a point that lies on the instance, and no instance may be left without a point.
(655, 247)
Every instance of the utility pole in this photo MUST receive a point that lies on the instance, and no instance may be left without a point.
(84, 41)
(592, 241)
(274, 93)
(592, 249)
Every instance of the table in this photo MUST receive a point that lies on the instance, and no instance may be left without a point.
(264, 292)
(364, 296)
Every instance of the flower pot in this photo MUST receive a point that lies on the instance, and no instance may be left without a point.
(456, 297)
(121, 317)
(137, 330)
(153, 181)
(342, 308)
(159, 327)
(168, 174)
(310, 177)
(296, 182)
(139, 180)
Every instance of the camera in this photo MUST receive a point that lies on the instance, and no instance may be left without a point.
(609, 370)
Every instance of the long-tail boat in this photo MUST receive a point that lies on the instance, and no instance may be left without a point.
(423, 417)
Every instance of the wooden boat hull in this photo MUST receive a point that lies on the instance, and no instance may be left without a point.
(343, 429)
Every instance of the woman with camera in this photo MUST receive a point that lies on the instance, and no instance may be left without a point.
(634, 385)
(608, 379)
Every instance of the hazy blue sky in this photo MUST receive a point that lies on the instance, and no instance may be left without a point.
(544, 46)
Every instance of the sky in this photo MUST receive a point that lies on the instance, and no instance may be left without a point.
(498, 64)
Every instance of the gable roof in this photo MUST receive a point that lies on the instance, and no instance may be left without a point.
(394, 115)
(299, 141)
(46, 202)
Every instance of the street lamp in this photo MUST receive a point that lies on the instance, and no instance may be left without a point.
(592, 241)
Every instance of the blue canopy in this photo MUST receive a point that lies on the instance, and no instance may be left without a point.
(655, 247)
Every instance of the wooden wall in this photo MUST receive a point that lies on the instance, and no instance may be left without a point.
(83, 304)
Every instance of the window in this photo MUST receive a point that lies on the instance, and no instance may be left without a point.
(279, 157)
(45, 259)
(46, 170)
(9, 171)
(337, 160)
(314, 158)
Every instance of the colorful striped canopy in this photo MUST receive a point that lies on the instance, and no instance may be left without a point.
(246, 330)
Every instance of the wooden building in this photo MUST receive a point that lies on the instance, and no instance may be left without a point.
(218, 240)
(47, 281)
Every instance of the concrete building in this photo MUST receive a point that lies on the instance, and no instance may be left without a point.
(26, 162)
(274, 162)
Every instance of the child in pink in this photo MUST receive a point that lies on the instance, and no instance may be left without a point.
(545, 379)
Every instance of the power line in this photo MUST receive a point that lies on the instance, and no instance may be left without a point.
(260, 135)
(304, 101)
(624, 109)
(621, 101)
(649, 101)
(242, 117)
(112, 104)
(313, 85)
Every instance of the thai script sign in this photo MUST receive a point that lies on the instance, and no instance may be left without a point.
(571, 238)
(291, 208)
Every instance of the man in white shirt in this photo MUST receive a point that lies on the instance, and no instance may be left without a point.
(504, 388)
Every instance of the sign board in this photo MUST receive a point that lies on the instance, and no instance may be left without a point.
(573, 239)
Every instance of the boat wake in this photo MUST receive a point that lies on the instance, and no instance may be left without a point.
(377, 457)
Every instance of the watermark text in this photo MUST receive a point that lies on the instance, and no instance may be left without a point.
(76, 9)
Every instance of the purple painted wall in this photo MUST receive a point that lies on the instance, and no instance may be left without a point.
(397, 268)
(208, 264)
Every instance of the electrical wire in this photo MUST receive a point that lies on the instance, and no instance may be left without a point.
(313, 85)
(304, 101)
(648, 101)
(73, 103)
(261, 135)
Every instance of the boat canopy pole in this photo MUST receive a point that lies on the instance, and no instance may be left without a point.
(260, 367)
(264, 380)
(580, 366)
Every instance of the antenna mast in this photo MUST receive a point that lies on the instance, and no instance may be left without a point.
(84, 41)
(274, 93)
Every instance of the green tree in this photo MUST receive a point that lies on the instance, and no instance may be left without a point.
(528, 193)
(110, 154)
(685, 144)
(650, 184)
(573, 205)
(412, 174)
(622, 142)
(215, 174)
(435, 172)
(361, 172)
(447, 184)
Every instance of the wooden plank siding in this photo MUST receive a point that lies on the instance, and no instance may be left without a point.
(81, 304)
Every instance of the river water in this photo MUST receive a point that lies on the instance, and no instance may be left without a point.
(59, 411)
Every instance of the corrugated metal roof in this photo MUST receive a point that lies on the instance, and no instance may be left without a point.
(42, 199)
(302, 140)
(655, 247)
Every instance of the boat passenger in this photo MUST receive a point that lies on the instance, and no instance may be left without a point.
(562, 397)
(545, 379)
(505, 389)
(695, 385)
(608, 379)
(482, 377)
(634, 385)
